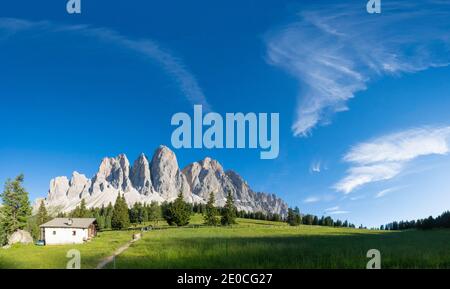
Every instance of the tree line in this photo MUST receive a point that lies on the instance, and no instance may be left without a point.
(176, 213)
(295, 218)
(441, 221)
(202, 209)
(16, 213)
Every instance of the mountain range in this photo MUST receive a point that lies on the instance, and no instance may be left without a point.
(157, 180)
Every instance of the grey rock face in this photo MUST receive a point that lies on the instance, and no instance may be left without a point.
(140, 176)
(167, 178)
(58, 189)
(207, 177)
(160, 180)
(78, 186)
(113, 172)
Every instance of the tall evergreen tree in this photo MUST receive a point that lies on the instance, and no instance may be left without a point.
(120, 218)
(42, 214)
(3, 232)
(229, 211)
(211, 212)
(178, 213)
(154, 212)
(293, 217)
(315, 221)
(108, 215)
(101, 220)
(137, 213)
(81, 211)
(145, 213)
(16, 207)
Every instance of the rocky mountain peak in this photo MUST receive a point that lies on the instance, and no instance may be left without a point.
(140, 175)
(113, 172)
(58, 188)
(158, 180)
(210, 164)
(166, 175)
(79, 185)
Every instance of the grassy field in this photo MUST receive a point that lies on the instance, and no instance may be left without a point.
(258, 244)
(44, 257)
(250, 244)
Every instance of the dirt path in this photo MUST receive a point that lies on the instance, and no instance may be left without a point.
(119, 251)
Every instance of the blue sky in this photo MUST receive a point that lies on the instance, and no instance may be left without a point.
(363, 99)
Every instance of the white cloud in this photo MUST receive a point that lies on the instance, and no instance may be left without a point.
(335, 211)
(356, 198)
(383, 193)
(319, 198)
(360, 175)
(334, 51)
(338, 212)
(385, 157)
(146, 47)
(315, 167)
(332, 209)
(387, 191)
(311, 200)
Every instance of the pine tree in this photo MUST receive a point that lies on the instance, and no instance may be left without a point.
(120, 218)
(294, 218)
(178, 213)
(16, 207)
(229, 211)
(137, 213)
(211, 212)
(108, 220)
(101, 221)
(316, 221)
(154, 212)
(81, 211)
(145, 214)
(84, 212)
(132, 212)
(291, 217)
(108, 216)
(42, 214)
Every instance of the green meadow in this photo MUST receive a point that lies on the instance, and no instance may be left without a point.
(249, 244)
(54, 257)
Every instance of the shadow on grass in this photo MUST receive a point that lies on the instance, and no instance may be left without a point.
(412, 249)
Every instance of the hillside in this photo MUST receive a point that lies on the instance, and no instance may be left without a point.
(250, 244)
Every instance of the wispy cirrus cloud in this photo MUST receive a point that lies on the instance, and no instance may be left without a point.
(338, 212)
(319, 198)
(173, 65)
(385, 157)
(385, 192)
(356, 198)
(309, 200)
(315, 167)
(335, 211)
(332, 209)
(336, 50)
